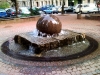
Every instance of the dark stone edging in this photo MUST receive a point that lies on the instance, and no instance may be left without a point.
(93, 16)
(17, 20)
(93, 46)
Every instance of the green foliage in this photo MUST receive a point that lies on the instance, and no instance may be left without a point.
(34, 11)
(4, 5)
(14, 2)
(24, 15)
(75, 2)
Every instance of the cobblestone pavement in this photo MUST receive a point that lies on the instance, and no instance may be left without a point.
(87, 65)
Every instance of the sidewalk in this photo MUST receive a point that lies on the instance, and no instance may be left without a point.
(88, 65)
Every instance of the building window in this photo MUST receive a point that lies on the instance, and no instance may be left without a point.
(42, 3)
(60, 3)
(49, 2)
(23, 3)
(88, 1)
(46, 2)
(33, 3)
(37, 4)
(56, 2)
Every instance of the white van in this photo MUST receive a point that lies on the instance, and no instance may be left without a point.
(85, 8)
(24, 10)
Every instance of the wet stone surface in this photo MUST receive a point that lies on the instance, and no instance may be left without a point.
(87, 65)
(40, 43)
(57, 52)
(16, 48)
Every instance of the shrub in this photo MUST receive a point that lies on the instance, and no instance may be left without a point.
(35, 11)
(4, 5)
(24, 15)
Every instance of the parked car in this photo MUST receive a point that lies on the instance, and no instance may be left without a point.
(54, 10)
(3, 13)
(11, 12)
(68, 9)
(45, 7)
(59, 9)
(48, 11)
(95, 10)
(24, 10)
(85, 8)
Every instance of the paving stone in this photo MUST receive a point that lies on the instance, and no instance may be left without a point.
(88, 70)
(93, 72)
(78, 72)
(73, 73)
(83, 67)
(83, 74)
(69, 70)
(64, 71)
(89, 74)
(79, 69)
(88, 66)
(97, 71)
(3, 74)
(68, 74)
(83, 71)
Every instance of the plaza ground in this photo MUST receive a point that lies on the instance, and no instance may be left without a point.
(87, 65)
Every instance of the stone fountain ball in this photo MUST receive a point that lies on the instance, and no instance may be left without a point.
(49, 24)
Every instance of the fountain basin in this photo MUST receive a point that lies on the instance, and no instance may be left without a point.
(40, 44)
(66, 52)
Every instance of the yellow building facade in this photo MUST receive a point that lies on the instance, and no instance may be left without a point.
(39, 3)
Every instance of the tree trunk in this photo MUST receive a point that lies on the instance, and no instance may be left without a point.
(52, 2)
(31, 7)
(63, 4)
(16, 8)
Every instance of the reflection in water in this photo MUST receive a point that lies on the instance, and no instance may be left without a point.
(58, 52)
(67, 50)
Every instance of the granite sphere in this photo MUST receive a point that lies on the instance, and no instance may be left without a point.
(49, 24)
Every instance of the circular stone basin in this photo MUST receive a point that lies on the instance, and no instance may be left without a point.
(73, 51)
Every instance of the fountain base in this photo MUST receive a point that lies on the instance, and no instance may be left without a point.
(68, 51)
(76, 51)
(41, 44)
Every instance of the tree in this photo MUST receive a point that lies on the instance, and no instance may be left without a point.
(63, 4)
(15, 4)
(31, 6)
(75, 2)
(98, 5)
(4, 4)
(52, 2)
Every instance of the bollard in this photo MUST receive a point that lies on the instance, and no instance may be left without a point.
(78, 15)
